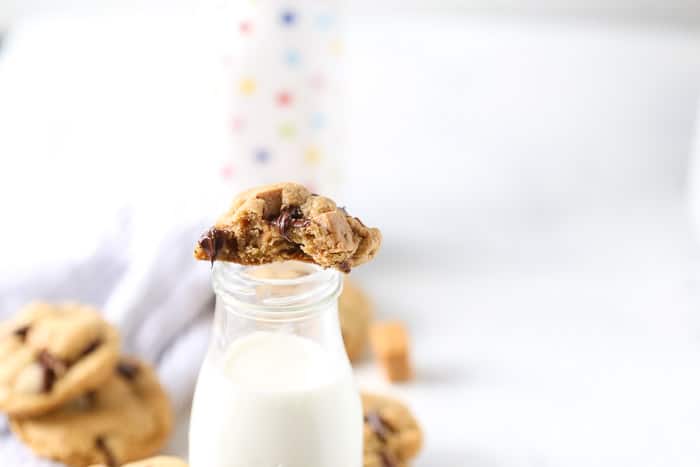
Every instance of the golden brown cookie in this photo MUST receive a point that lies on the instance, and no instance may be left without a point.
(392, 436)
(160, 461)
(286, 222)
(356, 312)
(127, 419)
(51, 353)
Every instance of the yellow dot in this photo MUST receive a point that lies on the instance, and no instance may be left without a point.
(336, 47)
(287, 130)
(247, 86)
(312, 155)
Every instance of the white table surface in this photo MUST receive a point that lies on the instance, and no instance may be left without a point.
(576, 346)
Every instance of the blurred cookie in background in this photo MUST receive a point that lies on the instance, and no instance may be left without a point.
(128, 418)
(392, 436)
(51, 353)
(356, 313)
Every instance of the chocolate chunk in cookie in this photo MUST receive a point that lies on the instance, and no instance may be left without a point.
(128, 418)
(286, 222)
(127, 369)
(392, 436)
(51, 354)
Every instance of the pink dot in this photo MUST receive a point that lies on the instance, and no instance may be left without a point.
(246, 27)
(284, 99)
(317, 82)
(226, 171)
(237, 124)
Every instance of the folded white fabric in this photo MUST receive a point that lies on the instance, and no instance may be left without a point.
(163, 302)
(145, 279)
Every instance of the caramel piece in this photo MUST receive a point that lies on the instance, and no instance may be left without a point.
(390, 344)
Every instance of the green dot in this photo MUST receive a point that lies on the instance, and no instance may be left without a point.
(287, 130)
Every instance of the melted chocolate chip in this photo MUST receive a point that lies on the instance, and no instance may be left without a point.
(22, 333)
(345, 267)
(49, 380)
(212, 242)
(289, 217)
(85, 402)
(387, 461)
(109, 459)
(128, 370)
(48, 360)
(91, 397)
(51, 366)
(92, 346)
(378, 425)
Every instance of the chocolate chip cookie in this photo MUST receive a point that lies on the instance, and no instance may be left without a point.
(127, 419)
(51, 353)
(161, 461)
(392, 436)
(356, 312)
(286, 222)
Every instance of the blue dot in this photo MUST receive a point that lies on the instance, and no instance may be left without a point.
(262, 156)
(292, 57)
(288, 17)
(325, 21)
(317, 121)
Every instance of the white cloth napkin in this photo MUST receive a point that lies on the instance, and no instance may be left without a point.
(144, 278)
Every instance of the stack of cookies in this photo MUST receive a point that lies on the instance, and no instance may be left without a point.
(69, 394)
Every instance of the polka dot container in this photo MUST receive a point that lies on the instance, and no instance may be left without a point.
(284, 64)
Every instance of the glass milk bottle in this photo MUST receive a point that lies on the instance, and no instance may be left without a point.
(276, 388)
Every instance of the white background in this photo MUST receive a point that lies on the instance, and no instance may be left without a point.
(529, 176)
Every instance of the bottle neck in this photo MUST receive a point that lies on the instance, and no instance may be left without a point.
(290, 298)
(277, 292)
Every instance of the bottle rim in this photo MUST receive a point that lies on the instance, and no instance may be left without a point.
(282, 291)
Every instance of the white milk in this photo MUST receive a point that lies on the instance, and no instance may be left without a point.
(275, 400)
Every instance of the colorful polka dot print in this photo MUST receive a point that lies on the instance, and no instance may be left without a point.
(247, 86)
(262, 155)
(292, 57)
(246, 27)
(325, 21)
(287, 131)
(288, 17)
(282, 60)
(317, 121)
(284, 98)
(312, 155)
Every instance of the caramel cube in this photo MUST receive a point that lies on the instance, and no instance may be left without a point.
(390, 344)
